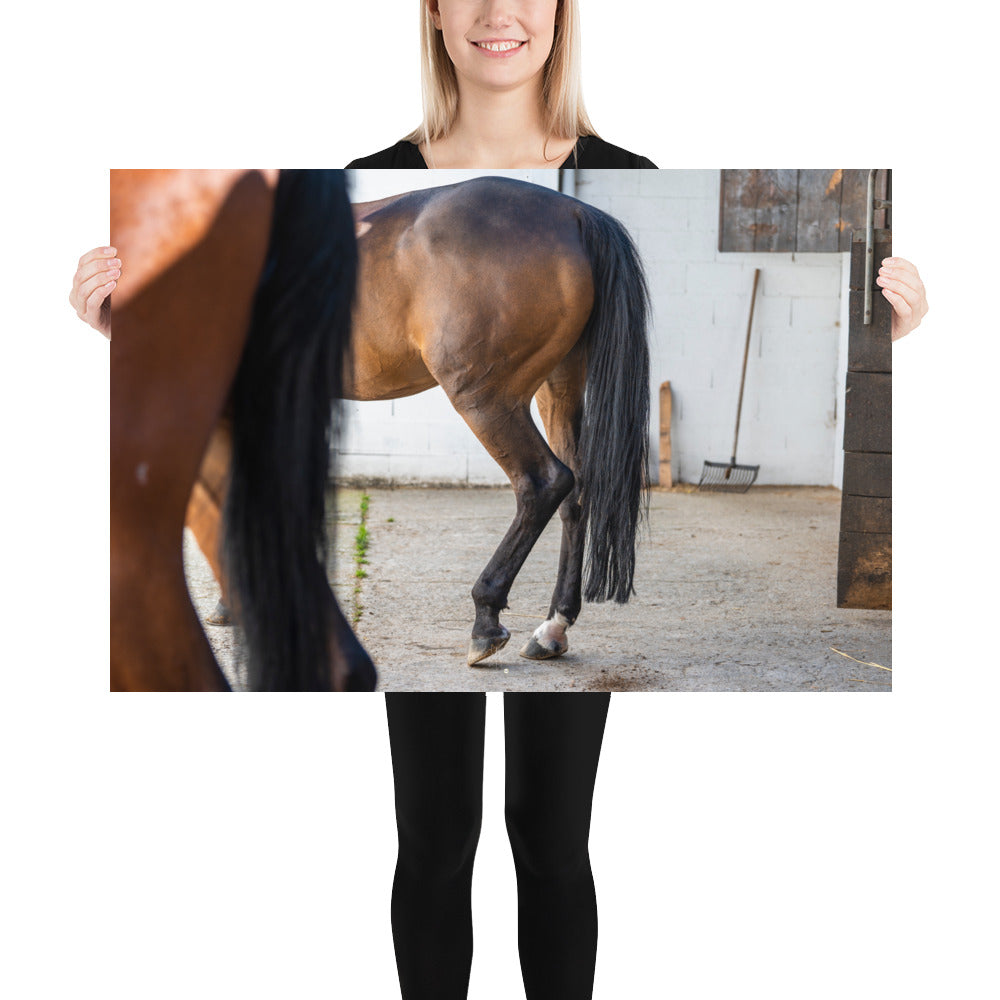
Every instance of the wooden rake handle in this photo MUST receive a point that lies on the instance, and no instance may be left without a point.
(746, 355)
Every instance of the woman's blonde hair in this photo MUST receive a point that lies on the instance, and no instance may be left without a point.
(565, 115)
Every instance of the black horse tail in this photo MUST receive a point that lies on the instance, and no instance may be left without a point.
(614, 439)
(291, 371)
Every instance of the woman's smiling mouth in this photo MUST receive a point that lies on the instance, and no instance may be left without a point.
(499, 46)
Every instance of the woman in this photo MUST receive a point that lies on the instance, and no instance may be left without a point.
(501, 87)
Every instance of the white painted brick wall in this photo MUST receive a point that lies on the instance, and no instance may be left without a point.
(700, 303)
(791, 413)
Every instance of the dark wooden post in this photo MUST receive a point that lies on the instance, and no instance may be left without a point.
(864, 568)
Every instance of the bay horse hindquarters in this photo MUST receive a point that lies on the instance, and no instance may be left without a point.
(212, 255)
(499, 290)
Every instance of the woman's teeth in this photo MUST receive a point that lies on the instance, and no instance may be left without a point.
(498, 46)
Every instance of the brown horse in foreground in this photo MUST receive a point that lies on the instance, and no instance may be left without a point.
(237, 300)
(500, 291)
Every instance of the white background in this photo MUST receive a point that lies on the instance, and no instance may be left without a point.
(787, 846)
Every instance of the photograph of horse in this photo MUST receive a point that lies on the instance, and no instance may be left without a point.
(501, 291)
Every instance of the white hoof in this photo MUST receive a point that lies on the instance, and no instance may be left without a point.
(549, 640)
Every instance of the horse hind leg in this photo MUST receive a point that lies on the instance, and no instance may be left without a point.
(204, 512)
(540, 481)
(560, 402)
(352, 668)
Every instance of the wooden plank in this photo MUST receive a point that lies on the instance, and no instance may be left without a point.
(776, 210)
(666, 407)
(868, 412)
(881, 192)
(817, 227)
(864, 570)
(795, 210)
(867, 475)
(869, 348)
(853, 203)
(866, 514)
(737, 203)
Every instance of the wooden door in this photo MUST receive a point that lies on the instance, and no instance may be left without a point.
(864, 567)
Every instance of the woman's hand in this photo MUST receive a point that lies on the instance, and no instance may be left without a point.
(95, 279)
(902, 286)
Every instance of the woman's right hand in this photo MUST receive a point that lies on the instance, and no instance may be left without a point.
(95, 279)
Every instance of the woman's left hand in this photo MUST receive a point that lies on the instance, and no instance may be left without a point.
(902, 287)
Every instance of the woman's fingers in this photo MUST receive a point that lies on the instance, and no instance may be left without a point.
(96, 267)
(98, 253)
(94, 299)
(904, 291)
(900, 308)
(96, 276)
(93, 310)
(104, 279)
(101, 261)
(902, 266)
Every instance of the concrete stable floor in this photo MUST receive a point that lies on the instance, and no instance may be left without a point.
(734, 593)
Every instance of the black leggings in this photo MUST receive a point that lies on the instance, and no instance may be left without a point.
(553, 742)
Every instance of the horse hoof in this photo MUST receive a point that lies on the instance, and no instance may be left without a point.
(535, 650)
(220, 616)
(483, 646)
